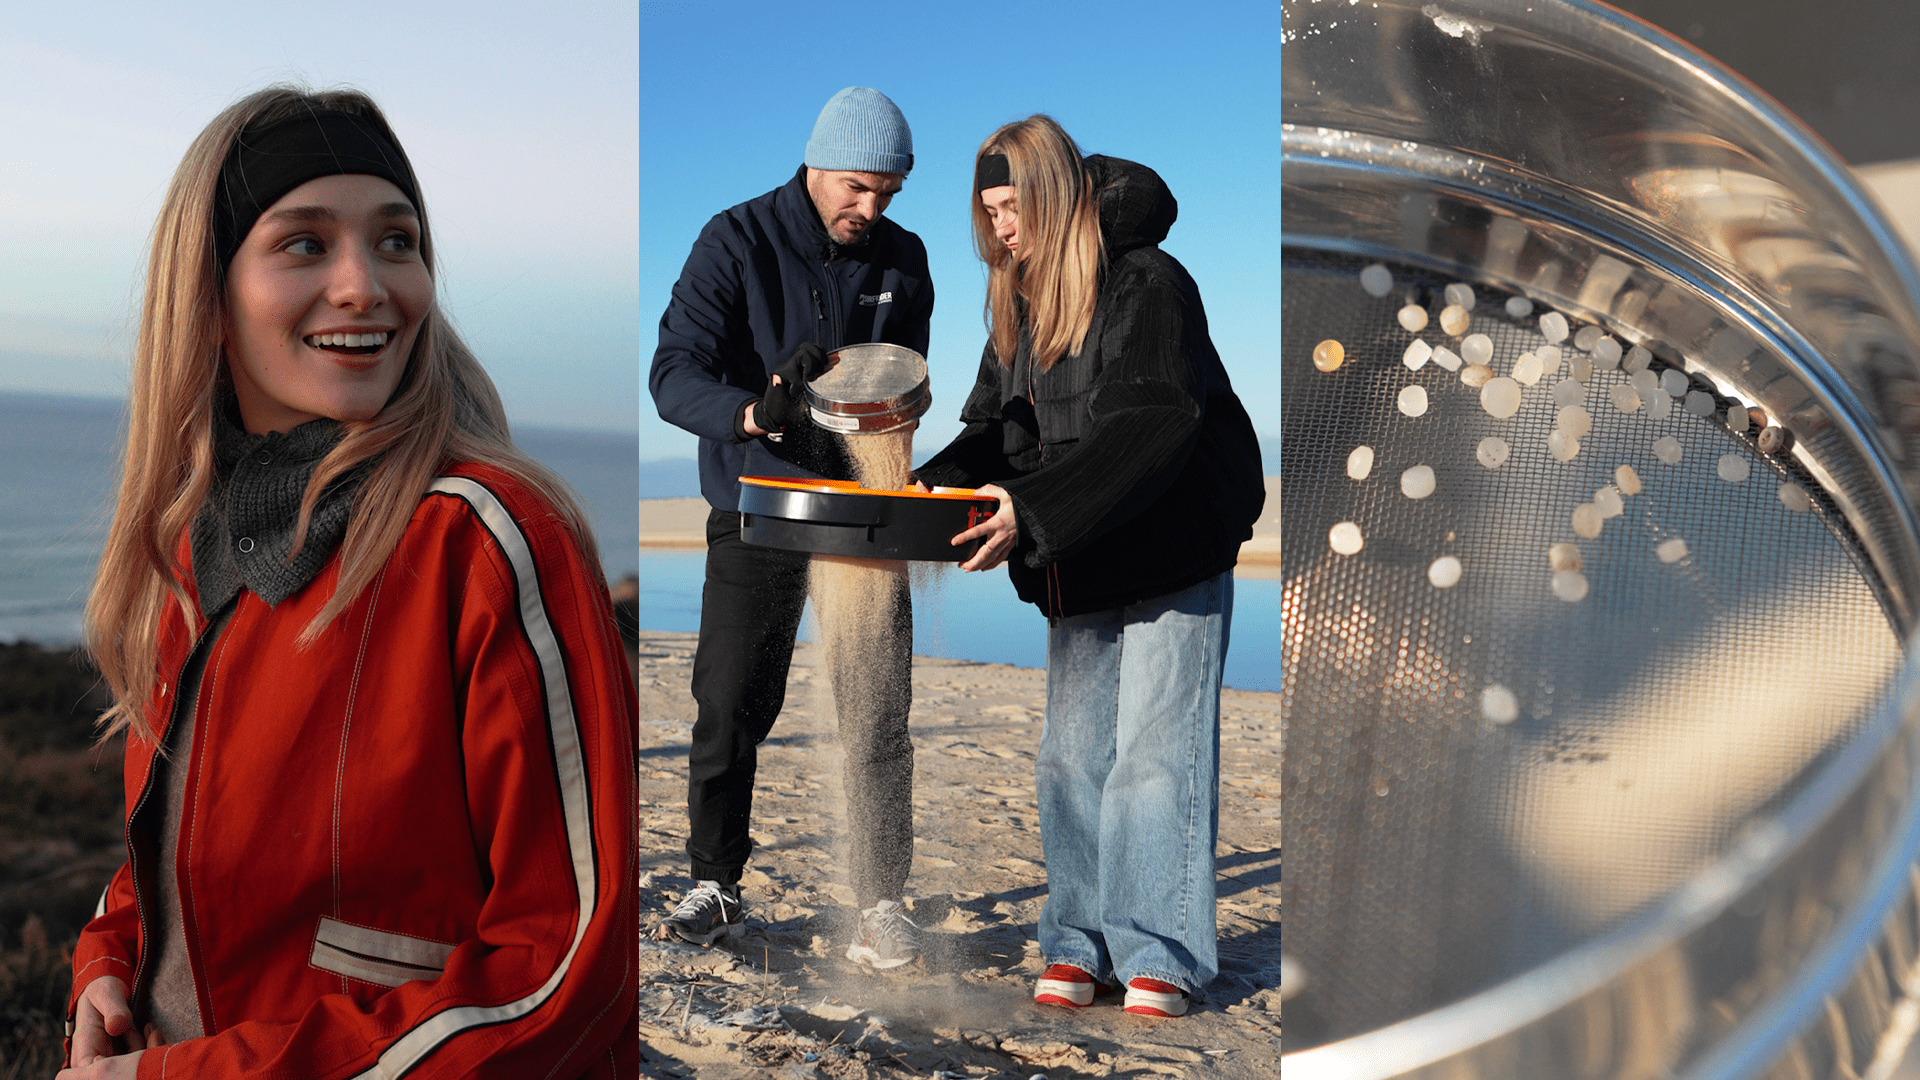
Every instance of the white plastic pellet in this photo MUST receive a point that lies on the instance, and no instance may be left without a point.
(1562, 445)
(1345, 538)
(1492, 452)
(1732, 468)
(1699, 403)
(1644, 382)
(1587, 337)
(1459, 294)
(1527, 369)
(1670, 551)
(1580, 368)
(1417, 482)
(1413, 318)
(1623, 398)
(1668, 449)
(1553, 327)
(1413, 400)
(1453, 320)
(1477, 349)
(1795, 498)
(1519, 307)
(1674, 382)
(1500, 397)
(1360, 462)
(1417, 355)
(1293, 979)
(1586, 521)
(1737, 419)
(1549, 359)
(1568, 392)
(1498, 704)
(1771, 439)
(1476, 376)
(1609, 501)
(1575, 420)
(1446, 358)
(1606, 353)
(1660, 406)
(1377, 280)
(1570, 585)
(1564, 556)
(1637, 359)
(1627, 480)
(1444, 573)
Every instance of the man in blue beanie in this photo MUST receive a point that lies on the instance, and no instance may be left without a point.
(772, 286)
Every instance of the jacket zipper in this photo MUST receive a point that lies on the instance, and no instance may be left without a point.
(146, 790)
(826, 265)
(820, 318)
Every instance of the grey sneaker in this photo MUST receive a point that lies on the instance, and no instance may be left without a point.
(710, 912)
(886, 939)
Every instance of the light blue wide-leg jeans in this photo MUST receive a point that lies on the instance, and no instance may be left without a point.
(1128, 779)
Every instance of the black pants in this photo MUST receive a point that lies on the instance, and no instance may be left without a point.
(749, 613)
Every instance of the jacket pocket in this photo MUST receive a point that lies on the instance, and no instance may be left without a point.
(376, 956)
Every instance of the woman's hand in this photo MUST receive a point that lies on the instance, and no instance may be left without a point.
(996, 534)
(102, 1017)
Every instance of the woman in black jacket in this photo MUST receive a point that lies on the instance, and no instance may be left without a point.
(1128, 475)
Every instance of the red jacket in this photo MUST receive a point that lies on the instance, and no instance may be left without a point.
(406, 849)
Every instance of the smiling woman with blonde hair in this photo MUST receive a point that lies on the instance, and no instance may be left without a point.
(379, 722)
(1128, 475)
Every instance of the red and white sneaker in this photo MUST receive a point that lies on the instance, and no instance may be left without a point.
(1151, 997)
(1064, 984)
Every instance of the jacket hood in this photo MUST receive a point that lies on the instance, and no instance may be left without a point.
(1136, 207)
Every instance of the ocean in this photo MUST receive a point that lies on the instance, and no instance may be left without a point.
(58, 459)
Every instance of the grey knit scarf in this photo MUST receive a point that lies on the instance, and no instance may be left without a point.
(244, 531)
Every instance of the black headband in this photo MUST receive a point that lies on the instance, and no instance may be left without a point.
(268, 161)
(990, 171)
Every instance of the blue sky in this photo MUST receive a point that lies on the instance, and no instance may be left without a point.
(522, 123)
(729, 94)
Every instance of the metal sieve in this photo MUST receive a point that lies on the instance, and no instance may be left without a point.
(870, 388)
(1688, 848)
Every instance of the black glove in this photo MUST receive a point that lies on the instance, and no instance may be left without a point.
(785, 401)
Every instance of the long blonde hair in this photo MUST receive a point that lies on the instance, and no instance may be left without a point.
(1059, 275)
(444, 410)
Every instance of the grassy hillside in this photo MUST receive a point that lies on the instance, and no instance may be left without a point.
(61, 815)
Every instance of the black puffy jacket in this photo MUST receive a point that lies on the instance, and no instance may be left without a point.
(1133, 468)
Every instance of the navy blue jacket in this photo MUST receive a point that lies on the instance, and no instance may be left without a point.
(764, 278)
(1133, 468)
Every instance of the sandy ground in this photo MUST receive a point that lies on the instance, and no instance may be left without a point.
(782, 1001)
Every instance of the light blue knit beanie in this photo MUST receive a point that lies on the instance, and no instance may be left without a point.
(861, 130)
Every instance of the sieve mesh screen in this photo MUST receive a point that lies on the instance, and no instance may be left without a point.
(1431, 852)
(871, 373)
